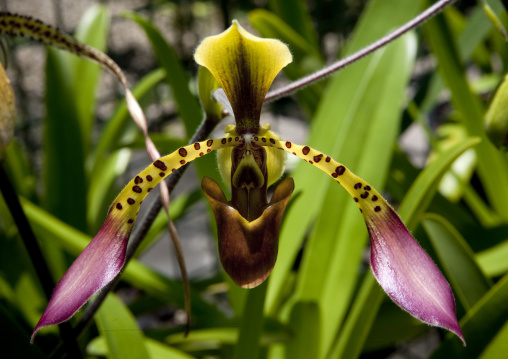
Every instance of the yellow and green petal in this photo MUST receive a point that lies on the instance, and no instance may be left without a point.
(402, 268)
(245, 67)
(102, 260)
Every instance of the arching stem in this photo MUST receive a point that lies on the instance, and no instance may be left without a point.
(319, 75)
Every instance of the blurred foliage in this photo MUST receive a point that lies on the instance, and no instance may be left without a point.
(321, 301)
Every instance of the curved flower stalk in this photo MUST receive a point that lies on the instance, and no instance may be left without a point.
(251, 158)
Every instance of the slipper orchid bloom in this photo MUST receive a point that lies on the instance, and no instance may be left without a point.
(251, 158)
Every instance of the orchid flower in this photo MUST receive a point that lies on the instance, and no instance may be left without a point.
(251, 158)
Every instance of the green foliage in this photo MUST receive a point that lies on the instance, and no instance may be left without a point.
(321, 300)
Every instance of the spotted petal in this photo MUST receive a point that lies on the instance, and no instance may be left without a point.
(402, 268)
(103, 259)
(245, 67)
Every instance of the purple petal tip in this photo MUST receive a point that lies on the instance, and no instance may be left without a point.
(98, 264)
(407, 273)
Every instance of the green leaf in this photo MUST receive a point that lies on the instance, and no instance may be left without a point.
(156, 350)
(251, 327)
(296, 15)
(492, 166)
(92, 30)
(305, 337)
(457, 259)
(493, 260)
(188, 105)
(498, 347)
(64, 172)
(479, 325)
(118, 326)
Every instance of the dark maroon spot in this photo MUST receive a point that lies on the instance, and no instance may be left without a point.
(356, 199)
(197, 146)
(130, 201)
(230, 139)
(138, 180)
(162, 174)
(327, 159)
(209, 143)
(294, 153)
(334, 175)
(182, 162)
(374, 198)
(159, 164)
(130, 221)
(263, 139)
(340, 170)
(306, 150)
(201, 154)
(149, 189)
(361, 211)
(318, 158)
(236, 138)
(182, 152)
(149, 178)
(358, 185)
(272, 141)
(137, 189)
(367, 188)
(208, 150)
(364, 195)
(256, 138)
(118, 206)
(311, 162)
(377, 208)
(173, 169)
(288, 144)
(223, 141)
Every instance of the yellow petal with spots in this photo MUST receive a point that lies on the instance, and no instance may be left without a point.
(245, 66)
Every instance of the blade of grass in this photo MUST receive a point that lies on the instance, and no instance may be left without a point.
(457, 259)
(479, 325)
(251, 327)
(118, 326)
(492, 166)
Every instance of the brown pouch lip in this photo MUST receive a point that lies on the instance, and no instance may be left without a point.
(248, 250)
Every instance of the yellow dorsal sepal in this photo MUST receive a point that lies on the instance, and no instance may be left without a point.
(245, 66)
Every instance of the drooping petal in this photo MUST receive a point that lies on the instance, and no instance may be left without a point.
(248, 250)
(245, 66)
(402, 268)
(104, 257)
(96, 266)
(407, 273)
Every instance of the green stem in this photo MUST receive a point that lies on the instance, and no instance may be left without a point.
(35, 254)
(251, 328)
